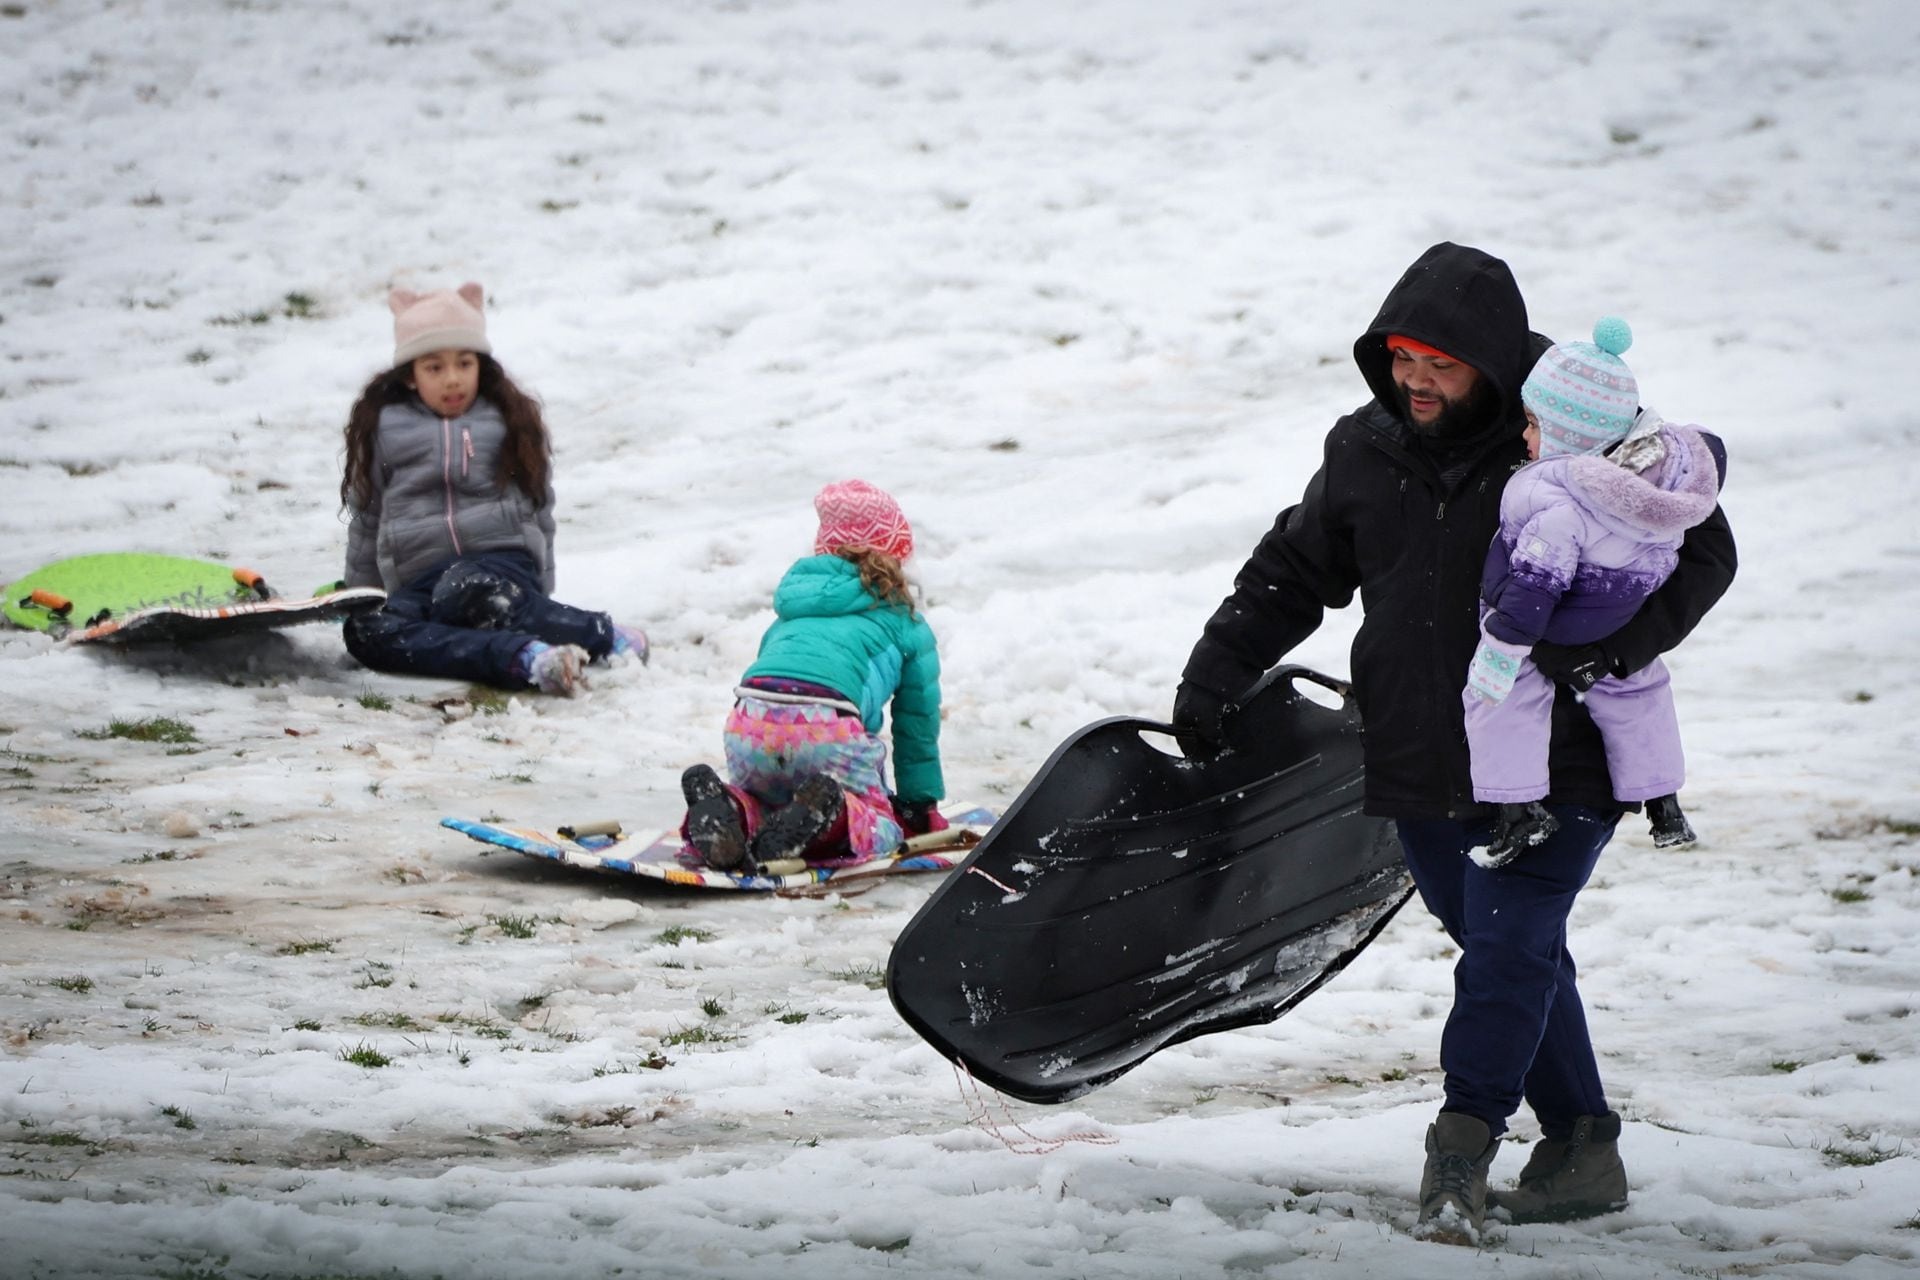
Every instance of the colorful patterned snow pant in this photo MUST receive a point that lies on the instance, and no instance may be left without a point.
(772, 747)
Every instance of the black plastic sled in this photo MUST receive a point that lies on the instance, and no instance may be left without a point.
(1131, 899)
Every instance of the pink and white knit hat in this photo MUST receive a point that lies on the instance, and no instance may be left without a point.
(855, 516)
(445, 318)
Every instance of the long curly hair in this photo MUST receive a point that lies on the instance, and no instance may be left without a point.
(525, 461)
(883, 576)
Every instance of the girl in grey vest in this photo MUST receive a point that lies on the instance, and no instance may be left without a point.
(449, 491)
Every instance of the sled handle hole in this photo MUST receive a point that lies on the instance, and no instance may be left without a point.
(1322, 693)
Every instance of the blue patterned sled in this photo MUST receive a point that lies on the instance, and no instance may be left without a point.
(668, 859)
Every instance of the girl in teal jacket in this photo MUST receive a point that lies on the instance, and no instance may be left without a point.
(807, 769)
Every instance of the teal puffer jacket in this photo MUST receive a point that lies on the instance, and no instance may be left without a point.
(832, 631)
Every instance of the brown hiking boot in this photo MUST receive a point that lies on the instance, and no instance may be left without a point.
(1453, 1188)
(1567, 1179)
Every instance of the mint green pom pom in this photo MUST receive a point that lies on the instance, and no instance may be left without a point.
(1611, 335)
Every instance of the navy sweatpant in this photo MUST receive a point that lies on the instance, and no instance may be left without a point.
(1517, 1028)
(468, 617)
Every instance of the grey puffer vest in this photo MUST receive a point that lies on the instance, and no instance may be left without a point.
(436, 494)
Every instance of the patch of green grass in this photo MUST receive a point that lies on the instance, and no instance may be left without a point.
(1857, 1150)
(515, 926)
(373, 701)
(300, 306)
(59, 1139)
(365, 1055)
(1786, 1066)
(152, 729)
(696, 1035)
(303, 946)
(160, 855)
(377, 975)
(713, 1008)
(306, 1024)
(1394, 1073)
(77, 983)
(680, 933)
(869, 975)
(182, 1119)
(488, 701)
(394, 1021)
(1868, 1056)
(1849, 894)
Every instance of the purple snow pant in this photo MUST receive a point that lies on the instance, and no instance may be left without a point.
(1635, 717)
(1517, 1028)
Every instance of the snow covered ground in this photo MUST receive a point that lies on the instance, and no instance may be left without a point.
(1078, 282)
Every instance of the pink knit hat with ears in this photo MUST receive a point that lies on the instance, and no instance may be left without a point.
(855, 516)
(446, 318)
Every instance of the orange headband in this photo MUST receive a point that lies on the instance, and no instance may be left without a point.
(1396, 342)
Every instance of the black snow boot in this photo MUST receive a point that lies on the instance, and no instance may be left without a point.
(1453, 1188)
(1670, 826)
(1565, 1179)
(714, 827)
(1518, 828)
(817, 804)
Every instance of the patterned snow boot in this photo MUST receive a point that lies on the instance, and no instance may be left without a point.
(1670, 826)
(713, 825)
(1565, 1179)
(629, 645)
(818, 804)
(1518, 828)
(1453, 1188)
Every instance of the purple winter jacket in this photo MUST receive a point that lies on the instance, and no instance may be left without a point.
(1583, 541)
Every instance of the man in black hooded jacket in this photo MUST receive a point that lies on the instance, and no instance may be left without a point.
(1403, 509)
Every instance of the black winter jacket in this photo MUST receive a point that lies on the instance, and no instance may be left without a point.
(1406, 522)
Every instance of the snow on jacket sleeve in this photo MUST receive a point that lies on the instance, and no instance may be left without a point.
(916, 718)
(1301, 568)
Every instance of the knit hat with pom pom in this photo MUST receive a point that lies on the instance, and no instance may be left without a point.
(1582, 393)
(855, 516)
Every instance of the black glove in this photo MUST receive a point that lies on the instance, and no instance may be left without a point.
(1577, 666)
(1198, 720)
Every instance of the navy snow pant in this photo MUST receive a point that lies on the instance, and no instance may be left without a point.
(1517, 1028)
(468, 618)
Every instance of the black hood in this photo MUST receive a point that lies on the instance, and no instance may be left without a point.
(1463, 302)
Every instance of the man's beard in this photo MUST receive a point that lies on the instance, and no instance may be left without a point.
(1458, 418)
